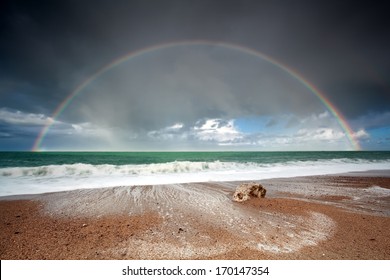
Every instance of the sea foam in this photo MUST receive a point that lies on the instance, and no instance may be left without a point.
(52, 178)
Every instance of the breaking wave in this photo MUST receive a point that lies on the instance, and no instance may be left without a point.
(49, 178)
(81, 169)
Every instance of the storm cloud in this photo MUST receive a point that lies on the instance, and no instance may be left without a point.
(178, 94)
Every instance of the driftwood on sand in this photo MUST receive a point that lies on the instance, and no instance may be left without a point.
(247, 190)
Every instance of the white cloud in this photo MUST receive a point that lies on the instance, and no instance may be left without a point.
(361, 134)
(323, 115)
(316, 131)
(303, 139)
(23, 121)
(222, 132)
(328, 134)
(217, 130)
(16, 117)
(313, 132)
(175, 127)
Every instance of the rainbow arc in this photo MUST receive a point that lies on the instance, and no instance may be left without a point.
(311, 87)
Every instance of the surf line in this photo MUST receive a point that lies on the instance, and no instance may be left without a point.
(311, 87)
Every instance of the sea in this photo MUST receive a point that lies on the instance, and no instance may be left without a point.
(41, 172)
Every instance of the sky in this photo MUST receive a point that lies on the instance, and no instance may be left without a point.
(194, 75)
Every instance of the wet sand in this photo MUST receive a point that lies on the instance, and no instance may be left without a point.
(319, 217)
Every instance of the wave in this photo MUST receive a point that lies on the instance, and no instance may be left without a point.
(23, 180)
(81, 169)
(183, 167)
(179, 167)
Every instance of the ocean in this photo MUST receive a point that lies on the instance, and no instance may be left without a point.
(40, 172)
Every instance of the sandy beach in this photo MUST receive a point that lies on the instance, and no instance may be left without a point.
(318, 217)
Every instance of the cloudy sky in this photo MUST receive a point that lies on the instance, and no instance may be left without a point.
(207, 91)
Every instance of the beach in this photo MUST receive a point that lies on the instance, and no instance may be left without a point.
(344, 216)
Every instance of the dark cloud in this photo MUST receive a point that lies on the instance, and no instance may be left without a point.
(187, 84)
(365, 98)
(48, 47)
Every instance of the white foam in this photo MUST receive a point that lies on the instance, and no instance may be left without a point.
(52, 178)
(379, 191)
(193, 207)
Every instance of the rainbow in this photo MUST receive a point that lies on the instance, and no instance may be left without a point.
(293, 73)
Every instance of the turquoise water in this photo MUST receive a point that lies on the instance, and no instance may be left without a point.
(33, 159)
(28, 172)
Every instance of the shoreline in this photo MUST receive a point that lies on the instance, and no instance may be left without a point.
(341, 216)
(385, 173)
